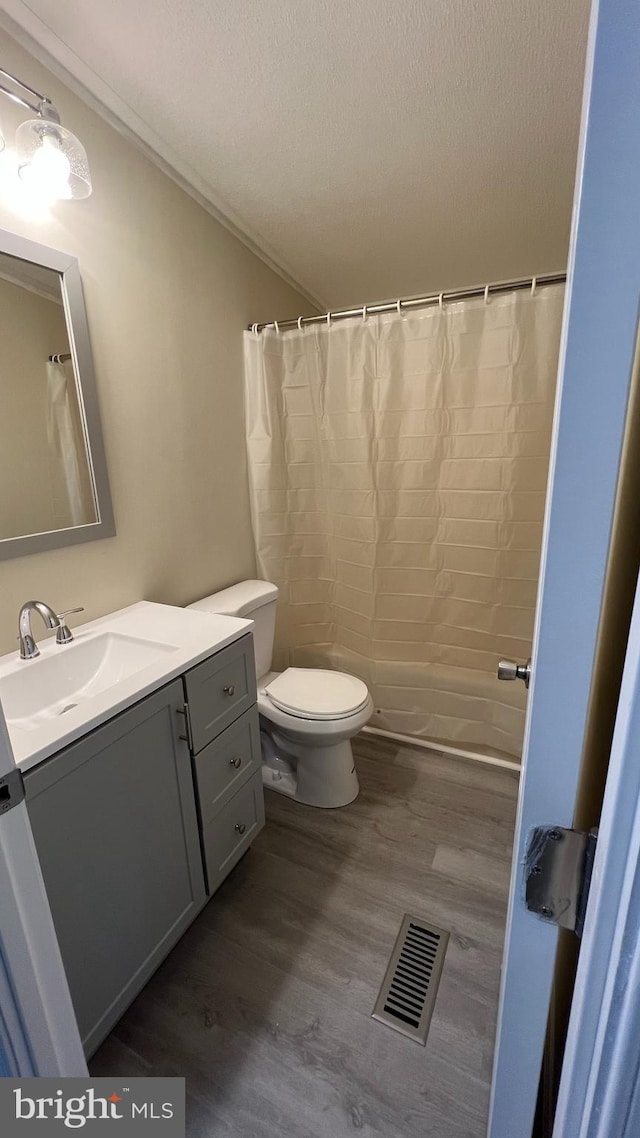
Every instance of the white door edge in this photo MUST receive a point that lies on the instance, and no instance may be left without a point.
(598, 347)
(39, 1034)
(603, 1042)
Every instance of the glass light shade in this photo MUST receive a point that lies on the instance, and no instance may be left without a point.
(52, 160)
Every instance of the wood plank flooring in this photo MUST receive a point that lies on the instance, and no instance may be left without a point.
(265, 1004)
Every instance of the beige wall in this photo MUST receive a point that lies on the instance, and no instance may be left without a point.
(168, 293)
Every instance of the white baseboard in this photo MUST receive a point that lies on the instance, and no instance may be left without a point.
(414, 741)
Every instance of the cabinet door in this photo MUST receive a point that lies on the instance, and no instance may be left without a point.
(115, 826)
(232, 831)
(226, 764)
(220, 690)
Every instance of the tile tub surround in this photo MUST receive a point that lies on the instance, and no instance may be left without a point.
(265, 1005)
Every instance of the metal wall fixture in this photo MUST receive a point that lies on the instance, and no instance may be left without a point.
(509, 670)
(52, 162)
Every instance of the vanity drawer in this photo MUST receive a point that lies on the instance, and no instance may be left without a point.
(224, 765)
(226, 837)
(219, 690)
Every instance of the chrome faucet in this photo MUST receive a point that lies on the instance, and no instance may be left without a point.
(28, 647)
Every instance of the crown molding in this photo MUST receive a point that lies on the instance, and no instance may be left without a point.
(36, 37)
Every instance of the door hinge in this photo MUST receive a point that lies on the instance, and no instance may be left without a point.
(188, 738)
(558, 867)
(11, 790)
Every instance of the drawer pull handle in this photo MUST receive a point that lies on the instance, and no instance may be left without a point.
(237, 762)
(240, 827)
(188, 738)
(230, 690)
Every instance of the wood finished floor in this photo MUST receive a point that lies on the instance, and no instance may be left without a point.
(265, 1004)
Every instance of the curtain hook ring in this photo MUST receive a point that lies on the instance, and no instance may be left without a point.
(399, 307)
(300, 324)
(277, 327)
(254, 329)
(486, 294)
(441, 301)
(534, 285)
(328, 319)
(364, 313)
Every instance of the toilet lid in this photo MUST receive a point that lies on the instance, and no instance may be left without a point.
(312, 693)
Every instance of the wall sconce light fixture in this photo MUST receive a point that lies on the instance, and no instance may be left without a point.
(51, 160)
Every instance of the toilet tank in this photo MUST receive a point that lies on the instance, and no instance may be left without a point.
(255, 600)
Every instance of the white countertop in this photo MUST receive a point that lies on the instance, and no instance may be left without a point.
(186, 636)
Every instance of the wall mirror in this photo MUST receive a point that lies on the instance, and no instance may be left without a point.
(54, 488)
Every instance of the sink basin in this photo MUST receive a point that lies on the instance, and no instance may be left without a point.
(48, 687)
(113, 662)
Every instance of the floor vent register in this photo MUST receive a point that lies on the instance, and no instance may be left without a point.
(410, 985)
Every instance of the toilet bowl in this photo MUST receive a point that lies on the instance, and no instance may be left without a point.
(308, 716)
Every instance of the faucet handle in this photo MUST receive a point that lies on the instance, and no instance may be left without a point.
(64, 634)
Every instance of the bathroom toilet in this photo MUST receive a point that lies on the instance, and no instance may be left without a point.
(308, 716)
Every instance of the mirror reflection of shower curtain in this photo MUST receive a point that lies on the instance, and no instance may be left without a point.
(398, 468)
(71, 490)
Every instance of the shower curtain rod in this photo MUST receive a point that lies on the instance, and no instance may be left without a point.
(404, 303)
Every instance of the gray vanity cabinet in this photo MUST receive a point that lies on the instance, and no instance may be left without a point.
(139, 822)
(115, 825)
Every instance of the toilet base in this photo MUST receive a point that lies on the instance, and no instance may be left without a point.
(317, 776)
(280, 781)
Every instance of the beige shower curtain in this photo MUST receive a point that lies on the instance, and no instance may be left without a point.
(398, 466)
(70, 481)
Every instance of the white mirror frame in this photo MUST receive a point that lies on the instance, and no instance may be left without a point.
(80, 348)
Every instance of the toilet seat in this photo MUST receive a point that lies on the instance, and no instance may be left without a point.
(313, 693)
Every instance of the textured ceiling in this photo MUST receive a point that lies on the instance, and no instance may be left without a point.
(372, 148)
